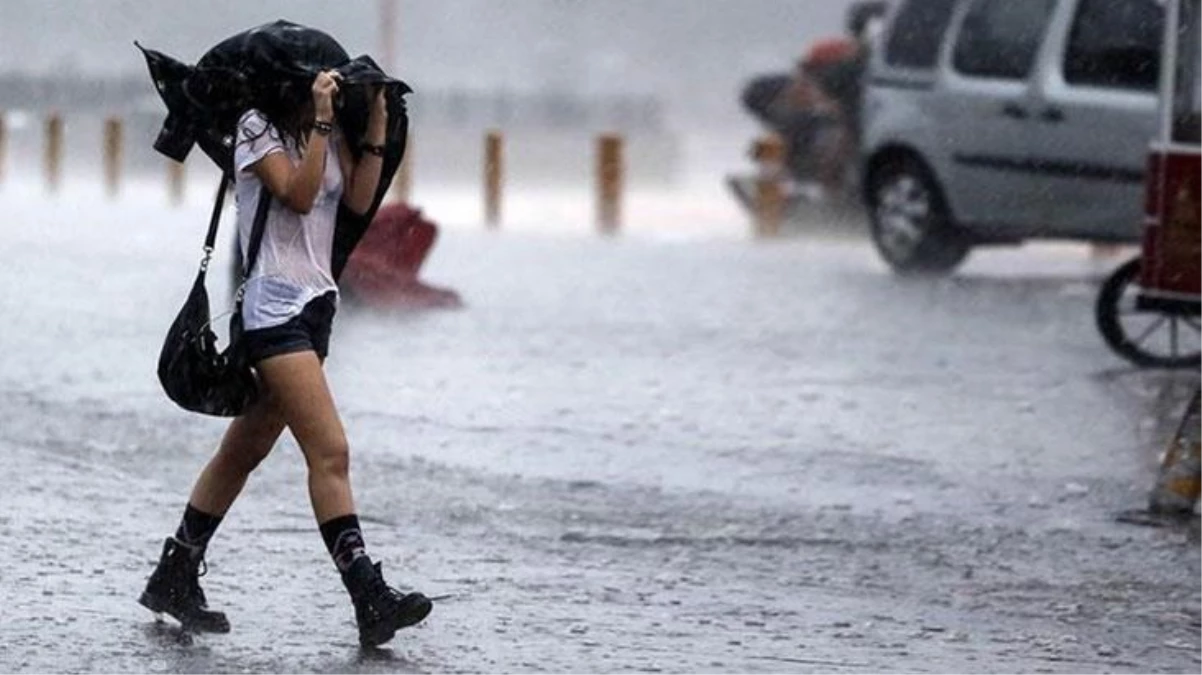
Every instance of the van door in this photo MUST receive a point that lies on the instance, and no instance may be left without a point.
(1096, 115)
(983, 109)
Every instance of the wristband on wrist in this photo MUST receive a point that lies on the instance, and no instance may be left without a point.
(323, 128)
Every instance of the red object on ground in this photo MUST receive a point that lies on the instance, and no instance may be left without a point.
(383, 270)
(828, 51)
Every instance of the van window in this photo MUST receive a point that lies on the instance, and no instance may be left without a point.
(1187, 90)
(917, 33)
(1115, 44)
(1000, 38)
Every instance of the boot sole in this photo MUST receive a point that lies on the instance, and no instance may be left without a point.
(158, 605)
(414, 616)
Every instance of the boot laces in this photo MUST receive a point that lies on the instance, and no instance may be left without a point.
(381, 591)
(193, 571)
(379, 587)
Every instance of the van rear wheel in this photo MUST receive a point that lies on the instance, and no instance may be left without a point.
(911, 224)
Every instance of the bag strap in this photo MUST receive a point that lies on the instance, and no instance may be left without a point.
(256, 232)
(214, 220)
(256, 239)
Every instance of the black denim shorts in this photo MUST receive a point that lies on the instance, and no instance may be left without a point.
(307, 332)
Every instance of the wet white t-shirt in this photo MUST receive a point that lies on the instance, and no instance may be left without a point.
(295, 258)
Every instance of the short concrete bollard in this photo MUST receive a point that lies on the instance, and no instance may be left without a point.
(112, 155)
(175, 182)
(494, 167)
(610, 170)
(54, 151)
(769, 186)
(1106, 251)
(402, 182)
(3, 146)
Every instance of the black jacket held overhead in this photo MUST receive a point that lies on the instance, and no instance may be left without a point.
(265, 67)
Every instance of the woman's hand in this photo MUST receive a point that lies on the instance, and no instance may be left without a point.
(325, 88)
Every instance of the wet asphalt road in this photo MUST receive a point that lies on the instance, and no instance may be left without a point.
(655, 453)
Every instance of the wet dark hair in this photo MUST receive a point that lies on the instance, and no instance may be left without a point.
(288, 109)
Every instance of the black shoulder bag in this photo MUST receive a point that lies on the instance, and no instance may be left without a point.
(193, 372)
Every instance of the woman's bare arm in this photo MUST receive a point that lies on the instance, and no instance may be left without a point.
(297, 186)
(364, 177)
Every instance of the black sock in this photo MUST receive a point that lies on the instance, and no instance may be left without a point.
(344, 540)
(196, 528)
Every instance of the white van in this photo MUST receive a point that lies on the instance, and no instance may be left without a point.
(996, 121)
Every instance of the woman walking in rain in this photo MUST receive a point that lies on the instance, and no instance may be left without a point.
(299, 154)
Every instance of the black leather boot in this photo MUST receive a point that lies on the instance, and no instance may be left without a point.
(174, 589)
(381, 610)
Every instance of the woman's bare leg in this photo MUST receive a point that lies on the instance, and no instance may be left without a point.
(173, 588)
(303, 401)
(247, 442)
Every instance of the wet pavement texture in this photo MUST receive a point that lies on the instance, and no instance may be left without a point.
(652, 453)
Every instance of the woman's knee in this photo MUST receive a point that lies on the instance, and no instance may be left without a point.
(244, 458)
(332, 458)
(250, 439)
